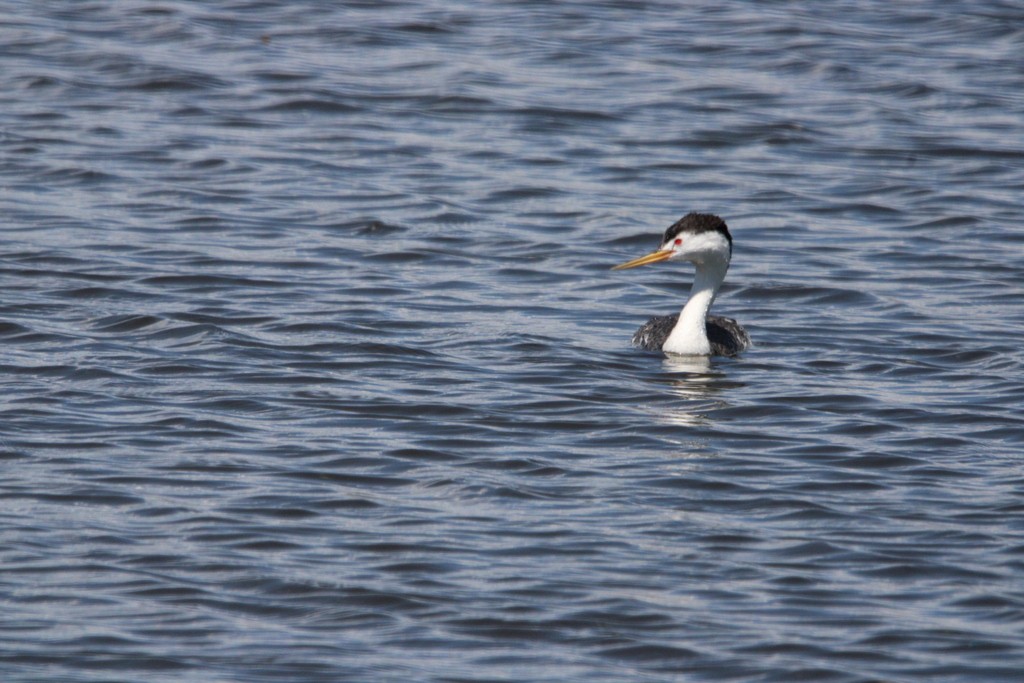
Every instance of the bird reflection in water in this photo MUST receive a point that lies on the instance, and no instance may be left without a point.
(694, 380)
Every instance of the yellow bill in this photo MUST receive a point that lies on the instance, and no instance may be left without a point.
(653, 257)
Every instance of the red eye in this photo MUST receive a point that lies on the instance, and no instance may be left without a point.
(679, 241)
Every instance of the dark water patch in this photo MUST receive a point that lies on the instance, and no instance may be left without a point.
(76, 176)
(649, 653)
(379, 229)
(9, 329)
(102, 293)
(520, 193)
(125, 323)
(203, 282)
(351, 479)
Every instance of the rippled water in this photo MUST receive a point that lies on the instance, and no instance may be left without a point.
(314, 369)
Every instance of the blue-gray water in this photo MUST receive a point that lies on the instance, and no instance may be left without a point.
(313, 368)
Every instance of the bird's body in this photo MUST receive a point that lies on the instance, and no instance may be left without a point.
(726, 337)
(704, 240)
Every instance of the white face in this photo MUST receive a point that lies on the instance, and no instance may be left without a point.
(699, 248)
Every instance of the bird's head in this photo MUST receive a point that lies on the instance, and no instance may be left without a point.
(696, 237)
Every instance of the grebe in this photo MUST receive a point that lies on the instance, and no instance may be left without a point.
(704, 240)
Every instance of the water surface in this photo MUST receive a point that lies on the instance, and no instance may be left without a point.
(314, 368)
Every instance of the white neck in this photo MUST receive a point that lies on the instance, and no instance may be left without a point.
(690, 336)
